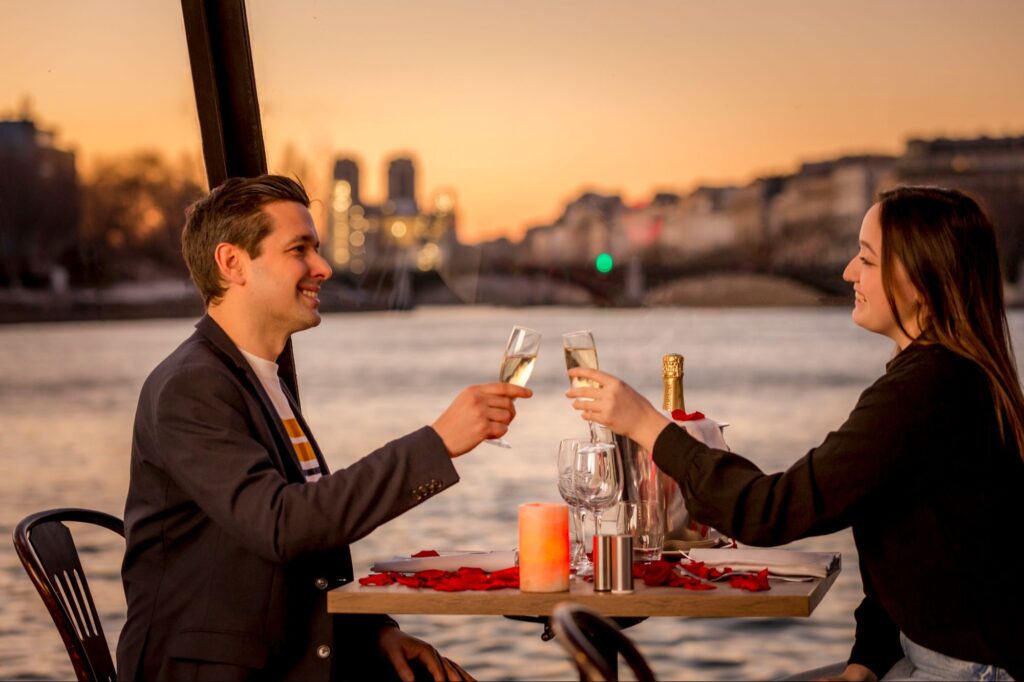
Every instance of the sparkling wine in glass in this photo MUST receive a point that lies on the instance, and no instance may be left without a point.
(517, 363)
(581, 351)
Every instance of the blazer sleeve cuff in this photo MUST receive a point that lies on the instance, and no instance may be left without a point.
(434, 469)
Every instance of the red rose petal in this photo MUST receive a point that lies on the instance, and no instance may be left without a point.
(450, 585)
(466, 578)
(425, 553)
(508, 574)
(657, 573)
(408, 580)
(753, 583)
(376, 580)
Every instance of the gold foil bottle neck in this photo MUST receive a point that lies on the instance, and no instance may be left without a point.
(672, 378)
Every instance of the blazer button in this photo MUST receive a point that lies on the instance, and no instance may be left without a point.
(323, 651)
(321, 583)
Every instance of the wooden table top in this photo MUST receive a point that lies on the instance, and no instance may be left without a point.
(783, 599)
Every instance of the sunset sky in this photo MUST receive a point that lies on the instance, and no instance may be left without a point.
(518, 106)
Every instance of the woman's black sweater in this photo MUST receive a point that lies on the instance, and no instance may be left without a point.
(922, 474)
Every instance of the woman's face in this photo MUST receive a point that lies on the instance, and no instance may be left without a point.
(870, 306)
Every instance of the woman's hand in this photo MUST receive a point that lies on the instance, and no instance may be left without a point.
(856, 672)
(615, 404)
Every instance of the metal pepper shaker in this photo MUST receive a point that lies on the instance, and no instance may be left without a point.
(602, 563)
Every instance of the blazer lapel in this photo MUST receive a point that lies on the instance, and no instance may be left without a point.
(222, 343)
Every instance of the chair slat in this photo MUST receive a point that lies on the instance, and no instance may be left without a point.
(83, 602)
(67, 600)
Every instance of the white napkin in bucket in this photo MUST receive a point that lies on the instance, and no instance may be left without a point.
(777, 561)
(449, 561)
(707, 431)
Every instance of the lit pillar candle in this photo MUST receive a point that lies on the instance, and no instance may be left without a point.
(543, 547)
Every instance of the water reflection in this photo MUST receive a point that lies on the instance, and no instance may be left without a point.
(68, 396)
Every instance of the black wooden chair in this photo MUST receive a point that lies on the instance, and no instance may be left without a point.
(48, 553)
(595, 643)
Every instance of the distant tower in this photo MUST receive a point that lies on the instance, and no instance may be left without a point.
(345, 249)
(347, 170)
(402, 186)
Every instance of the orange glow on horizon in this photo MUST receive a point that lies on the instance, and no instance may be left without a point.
(518, 108)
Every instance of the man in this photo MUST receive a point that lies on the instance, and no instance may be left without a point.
(235, 528)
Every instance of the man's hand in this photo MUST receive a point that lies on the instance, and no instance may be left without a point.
(400, 648)
(614, 403)
(478, 413)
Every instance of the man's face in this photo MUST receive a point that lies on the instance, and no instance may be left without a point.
(283, 282)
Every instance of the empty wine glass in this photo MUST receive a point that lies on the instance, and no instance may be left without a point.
(581, 351)
(566, 455)
(597, 478)
(517, 363)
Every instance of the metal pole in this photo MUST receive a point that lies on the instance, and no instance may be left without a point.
(229, 114)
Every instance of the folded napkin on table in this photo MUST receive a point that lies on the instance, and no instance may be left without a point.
(448, 561)
(777, 561)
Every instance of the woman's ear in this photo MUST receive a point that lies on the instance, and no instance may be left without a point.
(231, 263)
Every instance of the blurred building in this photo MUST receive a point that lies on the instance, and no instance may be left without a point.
(393, 235)
(805, 224)
(585, 230)
(402, 187)
(814, 219)
(989, 169)
(699, 222)
(39, 203)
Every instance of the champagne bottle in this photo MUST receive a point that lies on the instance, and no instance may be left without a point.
(662, 511)
(679, 524)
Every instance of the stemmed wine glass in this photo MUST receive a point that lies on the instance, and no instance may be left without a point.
(566, 456)
(581, 351)
(517, 363)
(597, 478)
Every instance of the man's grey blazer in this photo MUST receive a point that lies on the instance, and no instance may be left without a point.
(229, 551)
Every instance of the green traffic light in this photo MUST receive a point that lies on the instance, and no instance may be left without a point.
(604, 262)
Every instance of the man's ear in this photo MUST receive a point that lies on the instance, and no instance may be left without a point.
(232, 262)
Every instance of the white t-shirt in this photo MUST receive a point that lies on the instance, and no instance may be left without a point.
(266, 370)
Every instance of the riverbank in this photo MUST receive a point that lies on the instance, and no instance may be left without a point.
(178, 298)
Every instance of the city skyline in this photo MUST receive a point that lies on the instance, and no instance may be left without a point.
(521, 109)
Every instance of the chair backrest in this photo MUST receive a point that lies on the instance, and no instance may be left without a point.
(594, 643)
(48, 553)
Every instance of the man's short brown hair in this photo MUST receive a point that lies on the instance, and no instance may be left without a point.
(232, 213)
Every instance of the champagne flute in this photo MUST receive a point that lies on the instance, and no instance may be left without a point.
(581, 351)
(517, 363)
(567, 448)
(597, 478)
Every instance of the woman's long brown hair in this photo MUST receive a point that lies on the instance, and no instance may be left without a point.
(947, 245)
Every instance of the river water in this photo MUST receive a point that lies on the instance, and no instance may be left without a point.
(782, 378)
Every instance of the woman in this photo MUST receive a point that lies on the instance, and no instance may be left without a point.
(928, 467)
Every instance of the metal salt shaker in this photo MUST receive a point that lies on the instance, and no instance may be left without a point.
(622, 564)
